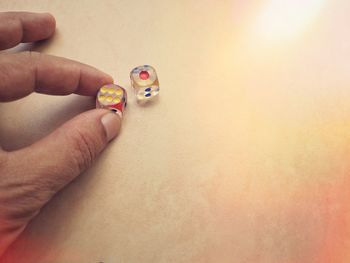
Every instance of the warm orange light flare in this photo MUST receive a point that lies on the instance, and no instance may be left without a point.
(281, 19)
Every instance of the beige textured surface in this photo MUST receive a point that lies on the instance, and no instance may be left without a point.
(245, 157)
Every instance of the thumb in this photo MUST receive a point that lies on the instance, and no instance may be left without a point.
(54, 161)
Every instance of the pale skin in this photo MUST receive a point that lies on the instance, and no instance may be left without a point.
(26, 188)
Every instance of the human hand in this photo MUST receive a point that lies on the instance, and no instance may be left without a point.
(51, 163)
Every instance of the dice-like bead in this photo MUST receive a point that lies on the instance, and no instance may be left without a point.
(112, 97)
(145, 83)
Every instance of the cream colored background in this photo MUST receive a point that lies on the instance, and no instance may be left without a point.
(245, 157)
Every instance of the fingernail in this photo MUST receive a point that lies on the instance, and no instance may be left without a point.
(111, 122)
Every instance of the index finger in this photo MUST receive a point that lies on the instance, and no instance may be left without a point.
(26, 72)
(17, 27)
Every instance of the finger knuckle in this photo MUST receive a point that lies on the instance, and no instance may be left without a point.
(33, 57)
(3, 159)
(21, 197)
(32, 54)
(84, 149)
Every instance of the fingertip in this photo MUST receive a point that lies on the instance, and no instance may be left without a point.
(17, 27)
(111, 123)
(51, 23)
(37, 26)
(106, 78)
(110, 78)
(91, 80)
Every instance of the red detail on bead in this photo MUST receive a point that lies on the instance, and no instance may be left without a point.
(144, 75)
(120, 106)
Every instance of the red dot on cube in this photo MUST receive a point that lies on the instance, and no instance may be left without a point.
(144, 75)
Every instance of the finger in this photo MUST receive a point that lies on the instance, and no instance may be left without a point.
(50, 164)
(17, 27)
(25, 72)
